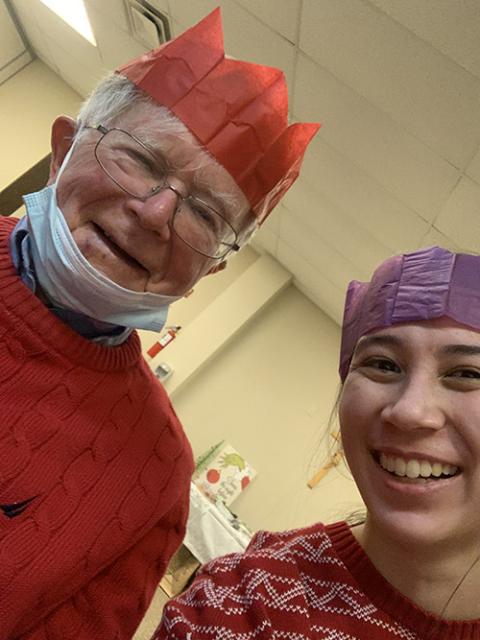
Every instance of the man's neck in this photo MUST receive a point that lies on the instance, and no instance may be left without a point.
(427, 574)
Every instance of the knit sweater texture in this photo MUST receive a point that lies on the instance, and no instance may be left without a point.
(94, 476)
(309, 584)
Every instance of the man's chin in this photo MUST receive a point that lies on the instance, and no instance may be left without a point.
(122, 276)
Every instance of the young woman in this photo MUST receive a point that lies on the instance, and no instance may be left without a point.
(410, 423)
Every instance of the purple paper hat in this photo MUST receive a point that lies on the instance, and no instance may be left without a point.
(423, 285)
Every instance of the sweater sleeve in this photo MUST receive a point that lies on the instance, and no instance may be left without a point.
(112, 605)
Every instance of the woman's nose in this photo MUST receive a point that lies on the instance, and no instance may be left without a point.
(416, 406)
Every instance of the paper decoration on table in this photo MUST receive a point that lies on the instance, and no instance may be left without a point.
(222, 473)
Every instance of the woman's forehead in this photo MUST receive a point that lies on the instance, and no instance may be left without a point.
(440, 330)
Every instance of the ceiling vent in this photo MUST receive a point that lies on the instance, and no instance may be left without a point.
(149, 26)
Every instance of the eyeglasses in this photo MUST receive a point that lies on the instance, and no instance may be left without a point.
(138, 172)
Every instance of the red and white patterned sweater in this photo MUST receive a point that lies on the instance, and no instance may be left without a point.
(310, 584)
(94, 476)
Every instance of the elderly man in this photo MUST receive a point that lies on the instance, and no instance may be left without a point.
(173, 162)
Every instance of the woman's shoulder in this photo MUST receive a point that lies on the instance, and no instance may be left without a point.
(269, 549)
(273, 543)
(265, 585)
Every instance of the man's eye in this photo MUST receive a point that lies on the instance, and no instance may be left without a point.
(132, 161)
(145, 162)
(204, 214)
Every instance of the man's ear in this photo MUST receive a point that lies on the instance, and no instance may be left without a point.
(63, 131)
(217, 267)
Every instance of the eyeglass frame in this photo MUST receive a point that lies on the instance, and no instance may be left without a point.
(155, 190)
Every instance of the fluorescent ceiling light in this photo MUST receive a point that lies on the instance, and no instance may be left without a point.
(74, 14)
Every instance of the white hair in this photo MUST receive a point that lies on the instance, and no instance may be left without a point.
(116, 95)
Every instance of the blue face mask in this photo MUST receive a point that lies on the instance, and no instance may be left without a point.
(71, 282)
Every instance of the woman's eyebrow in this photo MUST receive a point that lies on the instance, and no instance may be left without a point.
(380, 340)
(461, 349)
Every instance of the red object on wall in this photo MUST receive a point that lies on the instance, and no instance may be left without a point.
(164, 340)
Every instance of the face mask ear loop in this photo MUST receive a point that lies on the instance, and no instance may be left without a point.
(67, 157)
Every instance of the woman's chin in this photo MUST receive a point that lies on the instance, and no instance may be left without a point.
(413, 530)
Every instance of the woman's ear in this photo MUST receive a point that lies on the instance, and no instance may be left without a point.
(63, 131)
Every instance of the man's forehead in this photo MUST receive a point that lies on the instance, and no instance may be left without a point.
(168, 138)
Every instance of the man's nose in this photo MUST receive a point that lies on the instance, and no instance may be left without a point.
(156, 212)
(416, 405)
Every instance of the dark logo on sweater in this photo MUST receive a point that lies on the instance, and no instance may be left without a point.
(16, 508)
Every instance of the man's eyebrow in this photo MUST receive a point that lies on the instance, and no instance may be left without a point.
(200, 190)
(159, 155)
(210, 197)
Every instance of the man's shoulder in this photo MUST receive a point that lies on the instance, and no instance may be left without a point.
(8, 221)
(7, 224)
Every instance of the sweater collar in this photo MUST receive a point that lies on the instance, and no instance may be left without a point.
(32, 315)
(387, 599)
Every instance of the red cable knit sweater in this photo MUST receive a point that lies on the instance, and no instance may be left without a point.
(94, 476)
(309, 584)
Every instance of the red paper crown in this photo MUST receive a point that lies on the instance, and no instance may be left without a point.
(237, 110)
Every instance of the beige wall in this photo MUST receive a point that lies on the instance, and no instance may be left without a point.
(269, 393)
(29, 102)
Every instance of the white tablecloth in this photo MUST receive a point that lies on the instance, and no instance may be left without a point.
(209, 532)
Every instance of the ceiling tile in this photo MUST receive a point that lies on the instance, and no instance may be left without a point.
(113, 10)
(473, 168)
(318, 252)
(312, 282)
(285, 22)
(11, 44)
(161, 5)
(459, 219)
(372, 140)
(114, 45)
(434, 238)
(451, 27)
(274, 218)
(246, 38)
(80, 78)
(363, 199)
(340, 229)
(189, 13)
(65, 37)
(176, 27)
(37, 38)
(265, 240)
(428, 94)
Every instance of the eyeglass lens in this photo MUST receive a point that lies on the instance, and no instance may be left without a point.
(139, 173)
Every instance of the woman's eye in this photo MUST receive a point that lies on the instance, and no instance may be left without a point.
(468, 374)
(382, 364)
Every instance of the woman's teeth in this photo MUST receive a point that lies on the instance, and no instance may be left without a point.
(416, 468)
